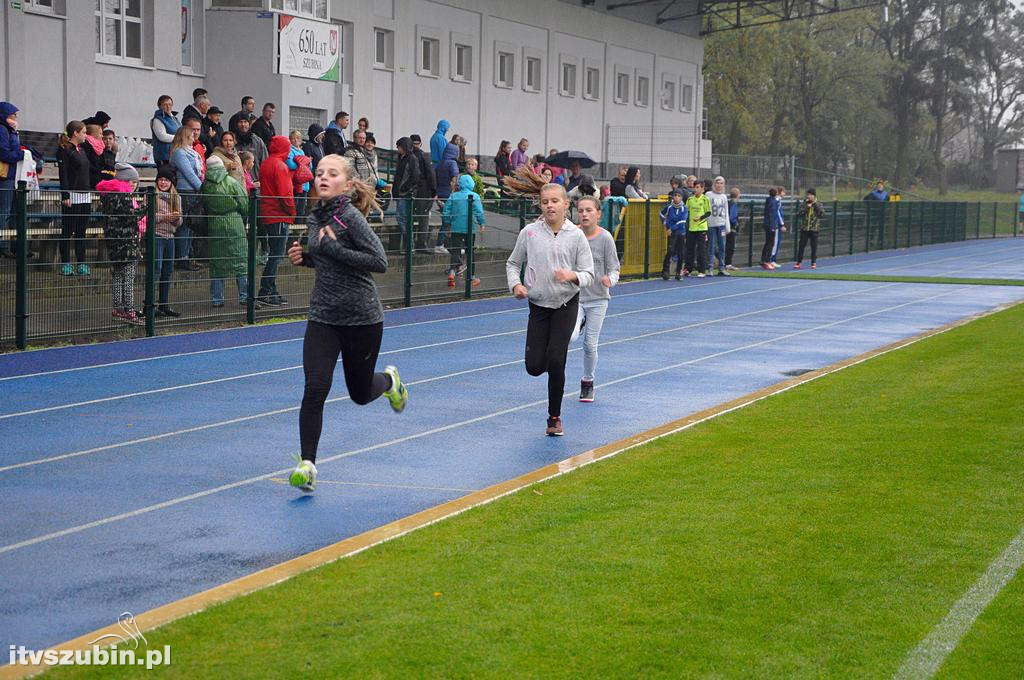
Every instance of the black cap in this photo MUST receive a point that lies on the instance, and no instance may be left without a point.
(213, 110)
(168, 172)
(415, 138)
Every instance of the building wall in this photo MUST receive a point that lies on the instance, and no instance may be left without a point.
(236, 56)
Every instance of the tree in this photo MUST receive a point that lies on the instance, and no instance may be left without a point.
(997, 101)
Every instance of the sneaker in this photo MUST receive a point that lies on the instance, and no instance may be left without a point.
(587, 391)
(765, 265)
(686, 272)
(731, 268)
(554, 428)
(397, 395)
(773, 265)
(193, 266)
(167, 311)
(67, 270)
(117, 314)
(451, 280)
(216, 305)
(133, 318)
(475, 282)
(679, 277)
(814, 265)
(304, 476)
(700, 275)
(440, 250)
(722, 272)
(83, 270)
(664, 276)
(280, 301)
(797, 265)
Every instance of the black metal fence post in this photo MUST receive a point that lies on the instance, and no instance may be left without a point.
(853, 217)
(149, 308)
(250, 266)
(750, 235)
(835, 221)
(995, 217)
(867, 229)
(21, 273)
(647, 238)
(408, 252)
(468, 241)
(977, 222)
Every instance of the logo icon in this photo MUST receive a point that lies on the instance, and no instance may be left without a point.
(126, 621)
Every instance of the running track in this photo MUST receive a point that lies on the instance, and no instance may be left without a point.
(136, 473)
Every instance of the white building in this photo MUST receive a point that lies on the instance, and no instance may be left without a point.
(559, 73)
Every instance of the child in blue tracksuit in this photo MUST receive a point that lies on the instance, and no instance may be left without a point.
(774, 225)
(674, 216)
(457, 215)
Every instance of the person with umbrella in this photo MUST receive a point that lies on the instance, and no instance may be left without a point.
(575, 162)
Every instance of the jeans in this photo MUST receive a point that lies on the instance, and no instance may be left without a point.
(594, 312)
(403, 207)
(6, 201)
(277, 235)
(716, 247)
(164, 259)
(217, 289)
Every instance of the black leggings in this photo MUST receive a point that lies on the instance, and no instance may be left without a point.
(358, 347)
(769, 246)
(811, 236)
(74, 220)
(677, 248)
(730, 246)
(696, 251)
(547, 345)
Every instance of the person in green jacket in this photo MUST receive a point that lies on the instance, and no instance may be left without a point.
(226, 204)
(699, 208)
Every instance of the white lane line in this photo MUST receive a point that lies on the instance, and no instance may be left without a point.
(444, 428)
(235, 421)
(373, 485)
(278, 342)
(882, 260)
(255, 374)
(926, 659)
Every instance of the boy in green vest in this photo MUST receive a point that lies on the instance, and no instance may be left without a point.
(699, 208)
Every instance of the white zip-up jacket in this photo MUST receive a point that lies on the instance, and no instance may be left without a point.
(543, 251)
(719, 210)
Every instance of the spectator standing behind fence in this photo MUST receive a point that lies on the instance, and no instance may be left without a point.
(519, 157)
(618, 184)
(363, 124)
(772, 225)
(574, 177)
(246, 112)
(73, 168)
(356, 153)
(426, 195)
(277, 211)
(878, 193)
(101, 160)
(444, 171)
(188, 168)
(302, 174)
(193, 109)
(699, 208)
(211, 123)
(674, 217)
(632, 182)
(472, 165)
(229, 156)
(457, 214)
(263, 127)
(248, 170)
(405, 183)
(245, 140)
(734, 227)
(813, 212)
(314, 146)
(11, 155)
(163, 126)
(226, 206)
(370, 150)
(168, 219)
(122, 211)
(438, 144)
(334, 138)
(503, 162)
(718, 226)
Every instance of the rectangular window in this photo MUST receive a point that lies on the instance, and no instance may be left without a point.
(54, 7)
(186, 33)
(592, 83)
(643, 91)
(119, 29)
(568, 84)
(301, 117)
(429, 57)
(313, 9)
(462, 63)
(668, 95)
(506, 67)
(686, 99)
(531, 83)
(383, 48)
(621, 88)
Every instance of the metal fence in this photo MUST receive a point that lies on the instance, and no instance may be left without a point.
(75, 279)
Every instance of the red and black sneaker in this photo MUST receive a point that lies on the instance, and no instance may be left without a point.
(451, 280)
(554, 428)
(587, 391)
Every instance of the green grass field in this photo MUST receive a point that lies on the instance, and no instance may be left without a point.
(821, 532)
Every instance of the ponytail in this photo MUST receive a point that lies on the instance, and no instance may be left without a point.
(72, 128)
(364, 198)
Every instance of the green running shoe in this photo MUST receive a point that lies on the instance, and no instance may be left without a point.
(304, 476)
(397, 395)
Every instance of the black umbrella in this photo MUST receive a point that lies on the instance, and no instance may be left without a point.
(563, 159)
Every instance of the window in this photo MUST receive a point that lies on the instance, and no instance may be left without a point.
(301, 117)
(238, 4)
(462, 60)
(531, 74)
(643, 91)
(506, 68)
(119, 29)
(567, 87)
(686, 98)
(186, 33)
(54, 7)
(668, 94)
(313, 9)
(621, 88)
(429, 57)
(592, 83)
(383, 48)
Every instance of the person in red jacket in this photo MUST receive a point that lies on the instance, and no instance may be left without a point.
(277, 211)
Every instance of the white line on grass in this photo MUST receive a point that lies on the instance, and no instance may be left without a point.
(924, 661)
(241, 419)
(256, 374)
(437, 430)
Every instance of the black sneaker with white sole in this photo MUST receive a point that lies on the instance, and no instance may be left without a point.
(587, 391)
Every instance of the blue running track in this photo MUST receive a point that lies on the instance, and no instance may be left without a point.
(136, 473)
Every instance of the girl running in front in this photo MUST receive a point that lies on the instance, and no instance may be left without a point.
(345, 314)
(558, 264)
(594, 298)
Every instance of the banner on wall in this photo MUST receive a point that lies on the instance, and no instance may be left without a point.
(308, 49)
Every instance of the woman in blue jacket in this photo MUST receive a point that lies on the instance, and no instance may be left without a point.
(189, 167)
(462, 209)
(445, 171)
(10, 153)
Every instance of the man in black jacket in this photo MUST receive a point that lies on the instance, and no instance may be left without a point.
(334, 136)
(406, 182)
(426, 193)
(248, 106)
(264, 126)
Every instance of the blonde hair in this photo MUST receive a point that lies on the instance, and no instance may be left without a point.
(93, 130)
(182, 139)
(551, 186)
(591, 199)
(363, 196)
